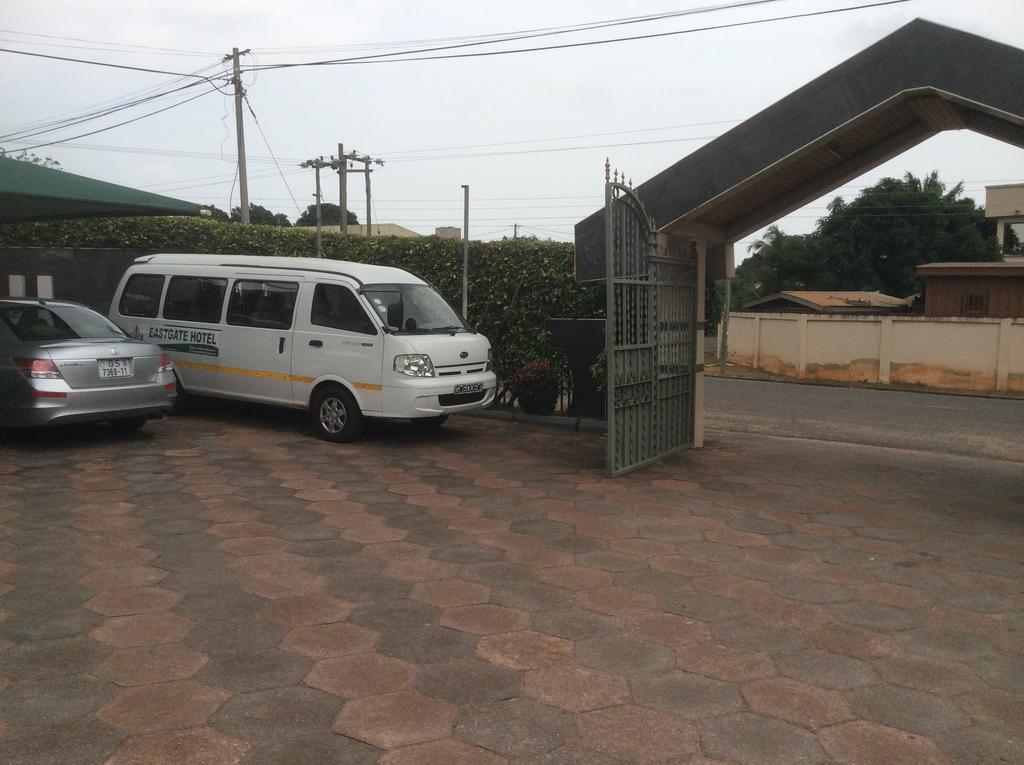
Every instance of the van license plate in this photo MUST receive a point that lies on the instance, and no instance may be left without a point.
(469, 388)
(115, 368)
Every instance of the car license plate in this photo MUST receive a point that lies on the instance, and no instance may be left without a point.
(115, 368)
(469, 388)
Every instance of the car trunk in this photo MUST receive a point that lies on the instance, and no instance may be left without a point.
(80, 362)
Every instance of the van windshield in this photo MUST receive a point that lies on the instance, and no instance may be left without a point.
(413, 308)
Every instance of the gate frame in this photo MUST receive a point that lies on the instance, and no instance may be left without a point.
(656, 248)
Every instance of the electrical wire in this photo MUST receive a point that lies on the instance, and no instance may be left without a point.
(516, 34)
(107, 64)
(101, 42)
(120, 124)
(263, 135)
(408, 57)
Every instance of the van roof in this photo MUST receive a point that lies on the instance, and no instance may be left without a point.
(362, 272)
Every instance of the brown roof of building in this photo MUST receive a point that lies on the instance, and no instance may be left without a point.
(1014, 267)
(836, 299)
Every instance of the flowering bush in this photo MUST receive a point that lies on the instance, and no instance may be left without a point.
(535, 386)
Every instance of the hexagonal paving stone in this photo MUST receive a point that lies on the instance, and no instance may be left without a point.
(484, 619)
(637, 735)
(795, 702)
(906, 709)
(143, 629)
(151, 664)
(276, 712)
(624, 655)
(754, 740)
(467, 681)
(248, 671)
(79, 740)
(574, 688)
(312, 747)
(525, 650)
(194, 745)
(616, 601)
(322, 641)
(237, 635)
(448, 751)
(424, 645)
(51, 702)
(179, 704)
(396, 719)
(686, 694)
(448, 593)
(514, 728)
(302, 610)
(365, 674)
(394, 614)
(864, 743)
(827, 670)
(133, 600)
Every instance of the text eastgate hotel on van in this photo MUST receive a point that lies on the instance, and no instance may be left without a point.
(186, 339)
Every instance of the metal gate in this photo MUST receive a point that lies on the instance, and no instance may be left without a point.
(651, 337)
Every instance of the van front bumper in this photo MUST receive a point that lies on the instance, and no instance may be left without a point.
(432, 397)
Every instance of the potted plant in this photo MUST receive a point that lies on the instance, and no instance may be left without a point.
(536, 385)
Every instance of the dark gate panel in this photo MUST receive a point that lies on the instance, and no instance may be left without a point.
(651, 338)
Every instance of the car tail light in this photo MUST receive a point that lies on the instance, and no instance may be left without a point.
(42, 369)
(166, 365)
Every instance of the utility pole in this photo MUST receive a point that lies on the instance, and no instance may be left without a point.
(723, 341)
(343, 187)
(465, 251)
(341, 165)
(243, 181)
(366, 162)
(316, 164)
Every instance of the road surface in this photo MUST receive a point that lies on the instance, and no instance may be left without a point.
(967, 425)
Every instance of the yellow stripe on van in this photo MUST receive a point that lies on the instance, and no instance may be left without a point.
(367, 386)
(245, 372)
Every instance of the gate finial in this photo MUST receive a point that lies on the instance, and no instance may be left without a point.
(607, 170)
(616, 175)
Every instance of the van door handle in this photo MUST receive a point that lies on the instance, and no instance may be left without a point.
(280, 345)
(316, 344)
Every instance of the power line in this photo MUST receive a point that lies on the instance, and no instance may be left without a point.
(259, 127)
(531, 34)
(100, 42)
(406, 57)
(107, 64)
(119, 124)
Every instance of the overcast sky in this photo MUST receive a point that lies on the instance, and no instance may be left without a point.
(548, 118)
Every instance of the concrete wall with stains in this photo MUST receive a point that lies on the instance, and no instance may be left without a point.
(948, 353)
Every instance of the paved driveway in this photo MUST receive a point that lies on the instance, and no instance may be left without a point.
(223, 588)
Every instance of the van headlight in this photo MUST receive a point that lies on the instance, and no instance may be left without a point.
(414, 365)
(490, 360)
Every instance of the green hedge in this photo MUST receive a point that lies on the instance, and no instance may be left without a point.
(514, 285)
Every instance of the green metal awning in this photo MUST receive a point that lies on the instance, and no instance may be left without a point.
(29, 192)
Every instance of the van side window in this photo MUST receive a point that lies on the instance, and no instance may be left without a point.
(141, 296)
(335, 306)
(195, 298)
(262, 304)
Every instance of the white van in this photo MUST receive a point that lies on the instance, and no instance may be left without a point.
(344, 340)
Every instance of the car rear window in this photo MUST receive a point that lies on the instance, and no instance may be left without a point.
(32, 323)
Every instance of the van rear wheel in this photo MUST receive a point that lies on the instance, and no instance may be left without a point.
(336, 416)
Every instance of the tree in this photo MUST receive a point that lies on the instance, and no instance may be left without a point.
(31, 157)
(216, 213)
(874, 242)
(328, 215)
(260, 214)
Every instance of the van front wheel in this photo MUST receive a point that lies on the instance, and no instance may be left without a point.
(336, 416)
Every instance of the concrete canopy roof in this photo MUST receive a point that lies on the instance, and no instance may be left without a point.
(916, 82)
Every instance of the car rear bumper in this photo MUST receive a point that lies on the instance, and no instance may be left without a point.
(61, 404)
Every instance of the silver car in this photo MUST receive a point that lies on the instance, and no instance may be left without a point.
(62, 363)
